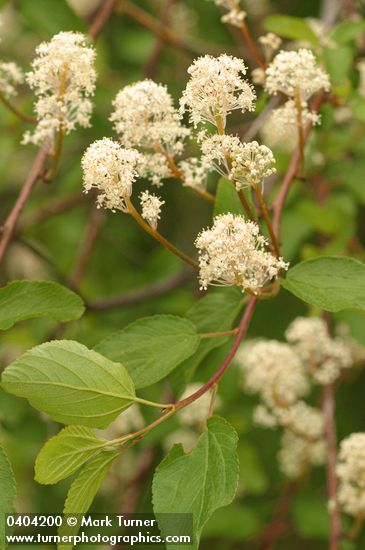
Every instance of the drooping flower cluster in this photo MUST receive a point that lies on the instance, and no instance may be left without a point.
(324, 356)
(233, 252)
(235, 15)
(246, 164)
(273, 370)
(63, 79)
(282, 373)
(296, 72)
(215, 89)
(351, 474)
(151, 208)
(11, 76)
(145, 118)
(280, 128)
(112, 170)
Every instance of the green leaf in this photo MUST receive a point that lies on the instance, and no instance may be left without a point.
(37, 15)
(234, 523)
(227, 199)
(199, 482)
(83, 490)
(22, 300)
(347, 31)
(310, 516)
(290, 27)
(329, 282)
(151, 348)
(7, 492)
(64, 453)
(71, 383)
(338, 63)
(213, 313)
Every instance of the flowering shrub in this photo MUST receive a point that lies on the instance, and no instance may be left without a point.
(196, 348)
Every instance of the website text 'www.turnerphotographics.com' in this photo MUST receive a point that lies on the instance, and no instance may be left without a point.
(111, 529)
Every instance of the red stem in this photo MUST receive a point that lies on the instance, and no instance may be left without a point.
(10, 223)
(243, 326)
(332, 482)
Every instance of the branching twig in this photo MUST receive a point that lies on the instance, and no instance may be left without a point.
(101, 18)
(35, 172)
(332, 482)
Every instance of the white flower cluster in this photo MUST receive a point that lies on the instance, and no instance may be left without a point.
(63, 79)
(216, 88)
(273, 370)
(151, 208)
(233, 252)
(235, 15)
(351, 474)
(324, 356)
(194, 172)
(11, 76)
(112, 170)
(297, 454)
(280, 128)
(270, 42)
(296, 72)
(144, 117)
(246, 164)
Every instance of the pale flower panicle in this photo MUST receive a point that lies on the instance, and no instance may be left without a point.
(296, 72)
(112, 170)
(246, 164)
(151, 208)
(351, 474)
(215, 89)
(233, 252)
(63, 79)
(11, 76)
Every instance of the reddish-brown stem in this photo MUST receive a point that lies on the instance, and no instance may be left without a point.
(154, 25)
(242, 329)
(92, 232)
(22, 116)
(246, 205)
(291, 173)
(10, 223)
(172, 408)
(332, 482)
(267, 220)
(251, 45)
(101, 18)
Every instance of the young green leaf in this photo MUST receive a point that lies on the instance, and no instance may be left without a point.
(347, 31)
(290, 27)
(227, 199)
(83, 490)
(64, 453)
(329, 282)
(201, 481)
(7, 492)
(151, 348)
(71, 383)
(36, 15)
(22, 300)
(338, 63)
